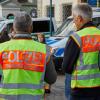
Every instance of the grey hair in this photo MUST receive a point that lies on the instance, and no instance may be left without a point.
(22, 22)
(83, 10)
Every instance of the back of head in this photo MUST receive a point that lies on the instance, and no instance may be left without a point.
(22, 22)
(83, 10)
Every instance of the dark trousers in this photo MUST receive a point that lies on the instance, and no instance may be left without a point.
(85, 98)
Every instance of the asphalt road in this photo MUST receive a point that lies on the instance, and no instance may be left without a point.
(57, 89)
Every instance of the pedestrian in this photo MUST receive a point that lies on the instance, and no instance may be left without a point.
(22, 62)
(82, 54)
(41, 39)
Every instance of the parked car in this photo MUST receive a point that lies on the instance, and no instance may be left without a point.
(40, 25)
(59, 40)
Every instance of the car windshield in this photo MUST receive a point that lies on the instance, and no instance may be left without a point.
(63, 26)
(66, 28)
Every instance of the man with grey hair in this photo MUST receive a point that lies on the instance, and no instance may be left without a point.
(22, 23)
(82, 14)
(25, 64)
(82, 55)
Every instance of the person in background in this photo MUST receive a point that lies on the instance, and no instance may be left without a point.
(41, 39)
(23, 64)
(82, 55)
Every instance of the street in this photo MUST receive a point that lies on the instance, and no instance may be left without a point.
(57, 89)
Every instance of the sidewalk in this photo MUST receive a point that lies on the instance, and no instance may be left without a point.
(57, 91)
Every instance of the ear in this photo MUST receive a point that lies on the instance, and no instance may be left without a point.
(80, 18)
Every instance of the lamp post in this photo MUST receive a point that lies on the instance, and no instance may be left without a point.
(51, 17)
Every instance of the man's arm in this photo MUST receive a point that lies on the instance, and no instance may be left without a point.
(50, 73)
(71, 54)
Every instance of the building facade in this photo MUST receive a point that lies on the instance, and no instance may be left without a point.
(11, 7)
(61, 9)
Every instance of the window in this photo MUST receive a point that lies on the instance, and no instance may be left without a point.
(48, 11)
(42, 26)
(66, 11)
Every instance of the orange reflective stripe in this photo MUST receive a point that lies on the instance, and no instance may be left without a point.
(27, 60)
(24, 67)
(90, 43)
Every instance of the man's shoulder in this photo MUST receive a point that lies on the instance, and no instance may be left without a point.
(5, 43)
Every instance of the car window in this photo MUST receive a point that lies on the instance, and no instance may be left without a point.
(42, 26)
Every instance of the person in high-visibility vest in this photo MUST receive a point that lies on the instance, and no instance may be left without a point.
(23, 64)
(82, 55)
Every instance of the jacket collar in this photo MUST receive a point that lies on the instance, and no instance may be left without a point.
(22, 36)
(88, 24)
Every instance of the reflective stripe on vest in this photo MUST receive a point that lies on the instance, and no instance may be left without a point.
(86, 77)
(87, 73)
(86, 67)
(20, 97)
(77, 39)
(26, 86)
